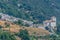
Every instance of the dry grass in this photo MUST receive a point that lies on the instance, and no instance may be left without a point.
(15, 28)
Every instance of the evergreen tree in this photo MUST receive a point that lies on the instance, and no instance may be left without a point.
(24, 35)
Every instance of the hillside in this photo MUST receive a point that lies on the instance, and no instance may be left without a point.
(15, 28)
(33, 10)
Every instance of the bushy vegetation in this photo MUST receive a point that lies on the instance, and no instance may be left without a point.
(7, 24)
(24, 35)
(33, 10)
(4, 35)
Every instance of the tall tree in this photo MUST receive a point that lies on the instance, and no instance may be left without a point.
(4, 35)
(24, 35)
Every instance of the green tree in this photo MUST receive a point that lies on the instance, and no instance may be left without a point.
(4, 35)
(0, 16)
(1, 26)
(7, 24)
(24, 35)
(27, 25)
(19, 22)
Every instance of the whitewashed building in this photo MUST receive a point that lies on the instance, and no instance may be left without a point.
(51, 24)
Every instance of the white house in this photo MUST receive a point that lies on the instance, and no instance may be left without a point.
(51, 24)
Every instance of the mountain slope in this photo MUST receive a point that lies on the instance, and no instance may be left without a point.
(34, 10)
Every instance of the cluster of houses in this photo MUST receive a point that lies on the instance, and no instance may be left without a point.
(49, 25)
